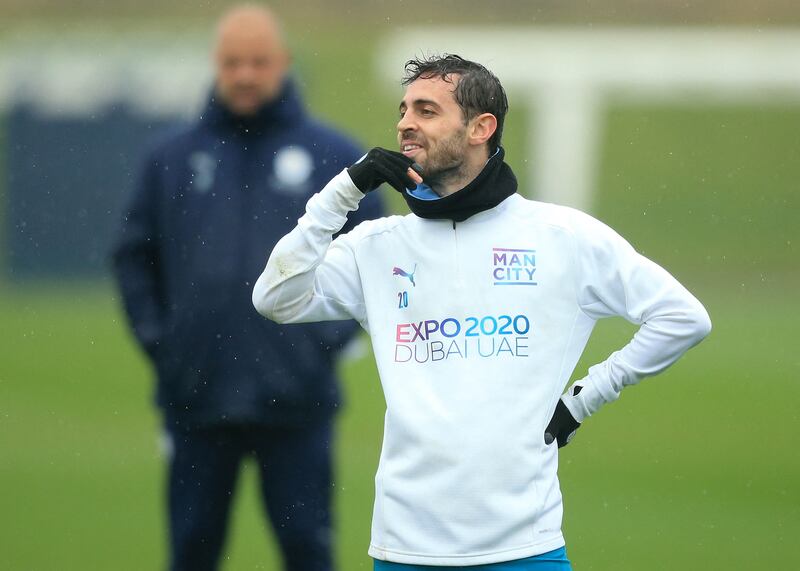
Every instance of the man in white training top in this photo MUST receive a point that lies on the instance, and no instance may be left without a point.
(479, 304)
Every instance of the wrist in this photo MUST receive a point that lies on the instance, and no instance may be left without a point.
(575, 400)
(347, 190)
(350, 183)
(575, 408)
(330, 206)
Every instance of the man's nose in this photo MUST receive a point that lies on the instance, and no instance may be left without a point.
(245, 73)
(406, 124)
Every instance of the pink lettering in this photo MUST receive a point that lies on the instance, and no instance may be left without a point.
(402, 333)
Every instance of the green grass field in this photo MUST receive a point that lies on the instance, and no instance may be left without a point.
(693, 470)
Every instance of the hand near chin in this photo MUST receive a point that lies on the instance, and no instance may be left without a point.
(380, 166)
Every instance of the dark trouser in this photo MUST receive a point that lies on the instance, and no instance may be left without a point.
(295, 466)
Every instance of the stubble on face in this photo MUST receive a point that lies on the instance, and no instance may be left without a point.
(445, 160)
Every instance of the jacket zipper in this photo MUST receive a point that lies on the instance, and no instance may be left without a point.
(247, 206)
(457, 257)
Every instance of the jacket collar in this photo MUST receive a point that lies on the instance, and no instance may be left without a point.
(493, 185)
(286, 108)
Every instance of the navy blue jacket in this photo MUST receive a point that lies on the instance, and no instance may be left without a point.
(211, 203)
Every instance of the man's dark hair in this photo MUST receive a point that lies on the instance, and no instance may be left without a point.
(477, 89)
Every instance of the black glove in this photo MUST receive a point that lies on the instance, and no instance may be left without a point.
(562, 426)
(379, 166)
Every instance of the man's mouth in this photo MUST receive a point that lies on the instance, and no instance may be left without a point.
(410, 149)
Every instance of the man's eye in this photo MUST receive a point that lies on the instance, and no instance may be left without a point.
(427, 112)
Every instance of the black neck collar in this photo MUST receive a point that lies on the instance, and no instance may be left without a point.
(493, 185)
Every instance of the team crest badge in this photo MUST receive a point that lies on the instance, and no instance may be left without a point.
(292, 170)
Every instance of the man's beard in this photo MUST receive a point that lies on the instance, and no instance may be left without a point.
(447, 161)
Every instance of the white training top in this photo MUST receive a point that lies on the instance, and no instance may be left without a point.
(476, 328)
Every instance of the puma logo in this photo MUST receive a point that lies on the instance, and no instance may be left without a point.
(401, 272)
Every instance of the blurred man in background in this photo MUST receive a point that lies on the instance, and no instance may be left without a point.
(211, 202)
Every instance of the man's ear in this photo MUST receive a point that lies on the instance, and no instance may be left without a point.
(481, 128)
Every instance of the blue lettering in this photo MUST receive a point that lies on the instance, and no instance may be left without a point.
(491, 352)
(454, 349)
(438, 350)
(454, 322)
(504, 346)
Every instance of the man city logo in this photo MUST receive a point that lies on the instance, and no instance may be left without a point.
(511, 266)
(401, 272)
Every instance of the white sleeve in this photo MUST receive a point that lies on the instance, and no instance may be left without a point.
(308, 277)
(615, 280)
